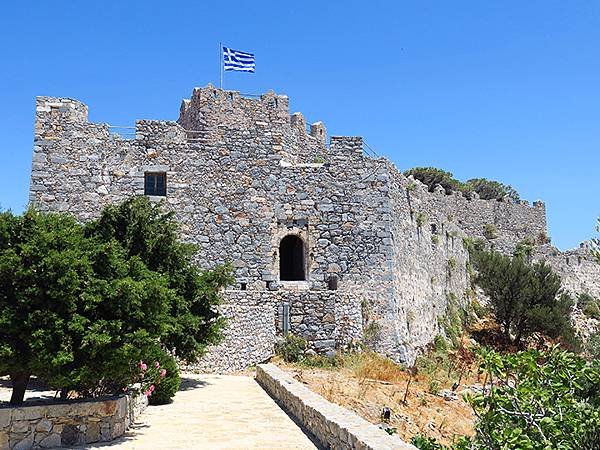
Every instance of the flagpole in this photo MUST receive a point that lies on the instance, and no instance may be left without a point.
(221, 62)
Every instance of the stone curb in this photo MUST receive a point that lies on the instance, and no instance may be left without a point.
(334, 427)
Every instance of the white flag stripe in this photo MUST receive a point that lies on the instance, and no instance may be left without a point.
(238, 61)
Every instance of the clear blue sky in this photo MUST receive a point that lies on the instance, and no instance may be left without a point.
(508, 90)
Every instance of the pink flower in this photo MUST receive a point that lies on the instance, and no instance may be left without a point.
(163, 373)
(151, 388)
(143, 365)
(148, 393)
(157, 364)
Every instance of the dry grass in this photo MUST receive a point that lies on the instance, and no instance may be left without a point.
(376, 367)
(366, 382)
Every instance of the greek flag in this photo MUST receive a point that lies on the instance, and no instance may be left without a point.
(236, 60)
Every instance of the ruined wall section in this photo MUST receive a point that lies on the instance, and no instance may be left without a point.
(503, 224)
(430, 267)
(578, 268)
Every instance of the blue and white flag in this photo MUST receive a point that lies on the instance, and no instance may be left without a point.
(236, 60)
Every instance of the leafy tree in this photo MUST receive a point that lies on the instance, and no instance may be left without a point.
(538, 400)
(490, 189)
(525, 298)
(533, 400)
(432, 177)
(81, 305)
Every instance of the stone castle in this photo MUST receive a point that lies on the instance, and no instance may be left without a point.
(326, 242)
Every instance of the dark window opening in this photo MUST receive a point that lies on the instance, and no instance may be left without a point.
(291, 259)
(155, 183)
(243, 286)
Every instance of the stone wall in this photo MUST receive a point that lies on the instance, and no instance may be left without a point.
(326, 319)
(333, 426)
(55, 425)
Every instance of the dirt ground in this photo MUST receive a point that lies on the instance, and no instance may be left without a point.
(423, 413)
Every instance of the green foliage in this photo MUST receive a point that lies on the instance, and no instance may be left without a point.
(454, 318)
(451, 263)
(487, 189)
(589, 305)
(423, 442)
(420, 218)
(323, 361)
(538, 400)
(525, 298)
(372, 333)
(490, 231)
(432, 177)
(592, 346)
(524, 249)
(81, 305)
(169, 384)
(592, 310)
(291, 348)
(490, 190)
(434, 386)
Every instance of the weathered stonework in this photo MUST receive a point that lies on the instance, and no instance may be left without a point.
(55, 425)
(381, 255)
(333, 426)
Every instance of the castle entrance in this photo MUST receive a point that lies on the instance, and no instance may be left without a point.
(292, 265)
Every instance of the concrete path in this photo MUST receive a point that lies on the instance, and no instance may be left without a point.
(215, 412)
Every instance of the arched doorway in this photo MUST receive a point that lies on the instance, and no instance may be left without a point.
(291, 259)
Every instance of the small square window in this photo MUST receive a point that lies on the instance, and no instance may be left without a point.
(155, 183)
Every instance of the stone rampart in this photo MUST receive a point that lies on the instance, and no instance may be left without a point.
(333, 426)
(243, 174)
(54, 425)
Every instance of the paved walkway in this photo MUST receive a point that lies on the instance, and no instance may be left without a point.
(214, 412)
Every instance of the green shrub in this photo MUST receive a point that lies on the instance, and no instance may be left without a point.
(322, 361)
(451, 263)
(423, 442)
(592, 346)
(434, 386)
(431, 177)
(592, 310)
(490, 189)
(291, 348)
(539, 400)
(490, 231)
(524, 249)
(420, 218)
(169, 384)
(487, 189)
(525, 298)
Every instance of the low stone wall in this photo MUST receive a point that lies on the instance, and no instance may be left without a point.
(326, 319)
(249, 335)
(55, 425)
(335, 427)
